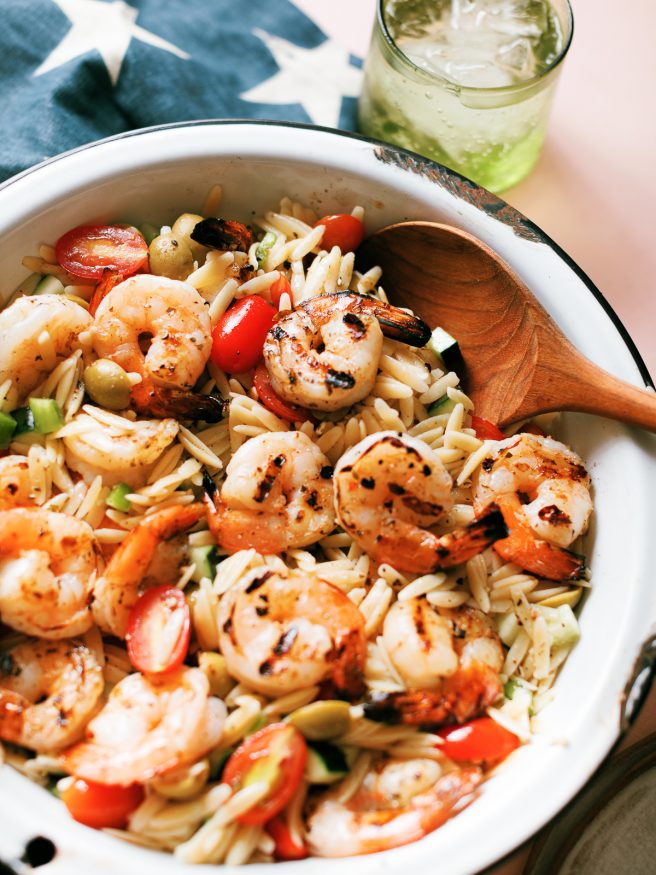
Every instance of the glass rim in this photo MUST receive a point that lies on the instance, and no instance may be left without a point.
(454, 86)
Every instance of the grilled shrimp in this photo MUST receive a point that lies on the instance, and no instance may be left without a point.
(48, 692)
(35, 333)
(149, 725)
(543, 491)
(399, 801)
(277, 495)
(48, 565)
(282, 632)
(450, 660)
(120, 456)
(15, 482)
(117, 591)
(173, 318)
(389, 488)
(324, 355)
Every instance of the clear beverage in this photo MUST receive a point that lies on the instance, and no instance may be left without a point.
(468, 83)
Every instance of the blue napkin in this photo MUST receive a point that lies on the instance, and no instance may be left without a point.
(72, 71)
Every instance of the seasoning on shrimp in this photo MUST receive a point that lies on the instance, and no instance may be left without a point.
(172, 318)
(277, 495)
(389, 488)
(324, 355)
(450, 660)
(48, 692)
(48, 566)
(16, 488)
(282, 632)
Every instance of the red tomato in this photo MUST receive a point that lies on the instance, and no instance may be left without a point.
(158, 630)
(278, 289)
(275, 754)
(341, 230)
(238, 338)
(286, 845)
(101, 805)
(486, 431)
(479, 741)
(90, 249)
(533, 428)
(268, 397)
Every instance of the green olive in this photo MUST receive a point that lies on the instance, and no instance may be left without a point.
(182, 228)
(213, 665)
(571, 598)
(320, 721)
(183, 783)
(170, 256)
(107, 384)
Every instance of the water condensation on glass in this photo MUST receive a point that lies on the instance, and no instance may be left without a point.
(473, 46)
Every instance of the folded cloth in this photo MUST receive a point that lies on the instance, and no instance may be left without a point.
(73, 71)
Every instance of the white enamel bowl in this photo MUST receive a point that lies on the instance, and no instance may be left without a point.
(154, 175)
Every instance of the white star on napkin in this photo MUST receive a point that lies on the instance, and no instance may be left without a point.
(316, 78)
(106, 27)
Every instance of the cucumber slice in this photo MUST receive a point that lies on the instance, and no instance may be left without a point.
(7, 428)
(447, 348)
(562, 625)
(49, 285)
(442, 405)
(265, 245)
(24, 420)
(205, 559)
(117, 498)
(48, 416)
(508, 628)
(326, 763)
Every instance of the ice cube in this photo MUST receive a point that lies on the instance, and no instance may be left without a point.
(516, 58)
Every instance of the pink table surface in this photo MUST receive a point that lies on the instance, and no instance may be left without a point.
(594, 188)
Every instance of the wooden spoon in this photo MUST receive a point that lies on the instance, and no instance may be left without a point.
(517, 362)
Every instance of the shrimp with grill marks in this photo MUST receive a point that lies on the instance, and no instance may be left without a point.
(280, 632)
(48, 692)
(389, 488)
(543, 491)
(450, 659)
(324, 355)
(277, 495)
(16, 488)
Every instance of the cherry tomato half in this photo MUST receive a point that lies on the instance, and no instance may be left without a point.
(238, 338)
(275, 754)
(268, 397)
(286, 847)
(485, 430)
(478, 741)
(88, 250)
(342, 230)
(278, 289)
(159, 627)
(101, 805)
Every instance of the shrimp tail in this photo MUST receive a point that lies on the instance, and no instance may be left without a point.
(151, 400)
(463, 697)
(532, 554)
(347, 674)
(223, 234)
(395, 323)
(463, 544)
(110, 278)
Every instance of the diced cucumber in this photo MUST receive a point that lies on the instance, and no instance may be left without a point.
(28, 285)
(508, 628)
(442, 405)
(259, 723)
(7, 428)
(117, 498)
(326, 763)
(49, 285)
(562, 625)
(265, 246)
(48, 416)
(218, 759)
(447, 348)
(24, 420)
(148, 232)
(205, 559)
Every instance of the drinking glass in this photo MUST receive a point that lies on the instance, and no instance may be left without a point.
(492, 135)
